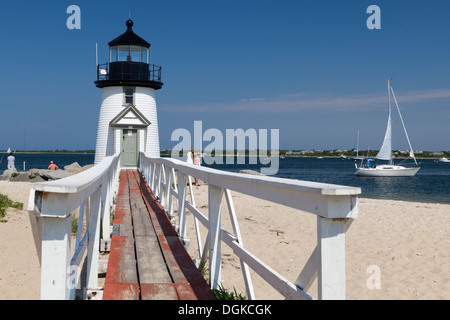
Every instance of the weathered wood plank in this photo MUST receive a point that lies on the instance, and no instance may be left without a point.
(183, 269)
(121, 291)
(150, 261)
(122, 262)
(158, 291)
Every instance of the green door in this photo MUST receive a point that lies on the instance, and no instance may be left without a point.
(129, 148)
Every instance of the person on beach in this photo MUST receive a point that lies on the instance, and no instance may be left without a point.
(52, 166)
(197, 162)
(11, 160)
(190, 156)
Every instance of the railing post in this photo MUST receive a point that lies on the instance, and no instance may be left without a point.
(331, 246)
(214, 200)
(55, 261)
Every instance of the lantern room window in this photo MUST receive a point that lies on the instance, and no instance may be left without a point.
(129, 53)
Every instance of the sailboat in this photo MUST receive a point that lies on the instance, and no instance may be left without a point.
(358, 157)
(385, 153)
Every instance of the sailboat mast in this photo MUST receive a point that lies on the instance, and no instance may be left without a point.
(389, 119)
(357, 143)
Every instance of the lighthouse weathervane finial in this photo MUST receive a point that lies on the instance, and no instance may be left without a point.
(129, 24)
(128, 117)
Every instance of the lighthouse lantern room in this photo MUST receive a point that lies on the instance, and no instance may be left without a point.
(128, 118)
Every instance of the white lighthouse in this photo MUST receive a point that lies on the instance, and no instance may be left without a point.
(128, 120)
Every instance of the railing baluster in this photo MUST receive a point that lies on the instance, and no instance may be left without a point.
(93, 239)
(214, 200)
(237, 233)
(181, 206)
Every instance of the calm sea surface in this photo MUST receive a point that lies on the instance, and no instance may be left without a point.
(431, 183)
(42, 160)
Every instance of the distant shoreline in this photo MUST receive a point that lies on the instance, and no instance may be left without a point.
(52, 152)
(246, 155)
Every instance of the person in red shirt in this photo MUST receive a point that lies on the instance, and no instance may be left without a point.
(52, 166)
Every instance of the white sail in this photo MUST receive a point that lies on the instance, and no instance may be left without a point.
(385, 152)
(9, 150)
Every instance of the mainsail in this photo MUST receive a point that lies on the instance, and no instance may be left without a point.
(385, 152)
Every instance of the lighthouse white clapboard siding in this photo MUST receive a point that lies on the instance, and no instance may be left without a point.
(112, 105)
(146, 104)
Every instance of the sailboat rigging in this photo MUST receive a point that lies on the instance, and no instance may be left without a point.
(385, 152)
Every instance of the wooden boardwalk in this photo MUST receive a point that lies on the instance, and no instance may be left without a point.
(147, 260)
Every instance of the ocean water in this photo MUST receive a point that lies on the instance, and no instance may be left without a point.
(430, 184)
(42, 160)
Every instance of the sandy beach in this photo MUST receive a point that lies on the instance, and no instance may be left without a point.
(408, 242)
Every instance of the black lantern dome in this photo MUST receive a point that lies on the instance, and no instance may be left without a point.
(129, 63)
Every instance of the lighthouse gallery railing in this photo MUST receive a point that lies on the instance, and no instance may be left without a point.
(52, 205)
(335, 207)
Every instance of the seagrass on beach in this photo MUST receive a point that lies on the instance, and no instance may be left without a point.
(408, 241)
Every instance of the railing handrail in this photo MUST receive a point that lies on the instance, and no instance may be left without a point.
(154, 72)
(78, 182)
(242, 180)
(335, 206)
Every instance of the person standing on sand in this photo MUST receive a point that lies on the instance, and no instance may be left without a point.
(197, 162)
(11, 160)
(52, 166)
(190, 156)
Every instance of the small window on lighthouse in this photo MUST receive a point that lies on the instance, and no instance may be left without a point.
(128, 95)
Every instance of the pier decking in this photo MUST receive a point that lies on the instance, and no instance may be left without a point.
(147, 259)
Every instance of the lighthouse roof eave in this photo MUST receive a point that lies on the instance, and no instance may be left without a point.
(129, 38)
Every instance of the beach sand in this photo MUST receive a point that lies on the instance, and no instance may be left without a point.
(408, 242)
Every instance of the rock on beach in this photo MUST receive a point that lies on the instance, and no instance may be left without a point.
(42, 175)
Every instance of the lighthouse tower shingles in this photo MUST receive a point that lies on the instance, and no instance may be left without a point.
(128, 120)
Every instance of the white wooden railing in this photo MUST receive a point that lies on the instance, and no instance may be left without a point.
(335, 207)
(52, 205)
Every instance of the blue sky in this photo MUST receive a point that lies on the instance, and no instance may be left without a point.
(311, 69)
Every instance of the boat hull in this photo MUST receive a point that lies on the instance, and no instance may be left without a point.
(387, 171)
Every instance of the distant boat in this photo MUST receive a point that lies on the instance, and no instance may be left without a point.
(358, 157)
(9, 150)
(385, 153)
(444, 160)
